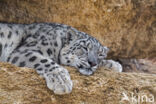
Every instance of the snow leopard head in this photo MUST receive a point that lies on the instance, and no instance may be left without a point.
(83, 52)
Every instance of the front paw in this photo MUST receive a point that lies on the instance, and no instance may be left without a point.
(59, 81)
(87, 71)
(117, 67)
(111, 64)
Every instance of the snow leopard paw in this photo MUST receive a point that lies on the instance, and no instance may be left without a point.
(59, 81)
(113, 65)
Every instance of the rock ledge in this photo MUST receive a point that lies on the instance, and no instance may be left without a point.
(24, 86)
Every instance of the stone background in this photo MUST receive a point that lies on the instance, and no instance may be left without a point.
(127, 27)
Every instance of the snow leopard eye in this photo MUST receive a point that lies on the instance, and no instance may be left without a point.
(102, 53)
(84, 49)
(89, 46)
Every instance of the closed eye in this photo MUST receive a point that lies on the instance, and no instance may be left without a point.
(101, 55)
(85, 48)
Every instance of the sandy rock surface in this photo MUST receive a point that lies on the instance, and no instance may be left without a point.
(25, 86)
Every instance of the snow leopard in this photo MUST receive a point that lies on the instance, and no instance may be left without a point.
(46, 47)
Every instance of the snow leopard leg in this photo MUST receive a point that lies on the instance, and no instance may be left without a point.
(111, 64)
(57, 77)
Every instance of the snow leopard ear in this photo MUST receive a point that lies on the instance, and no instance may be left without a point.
(71, 36)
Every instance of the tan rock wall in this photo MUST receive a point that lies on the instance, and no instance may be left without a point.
(128, 27)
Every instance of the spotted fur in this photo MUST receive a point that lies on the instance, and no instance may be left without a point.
(44, 46)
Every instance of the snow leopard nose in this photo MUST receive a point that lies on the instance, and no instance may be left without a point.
(92, 64)
(92, 59)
